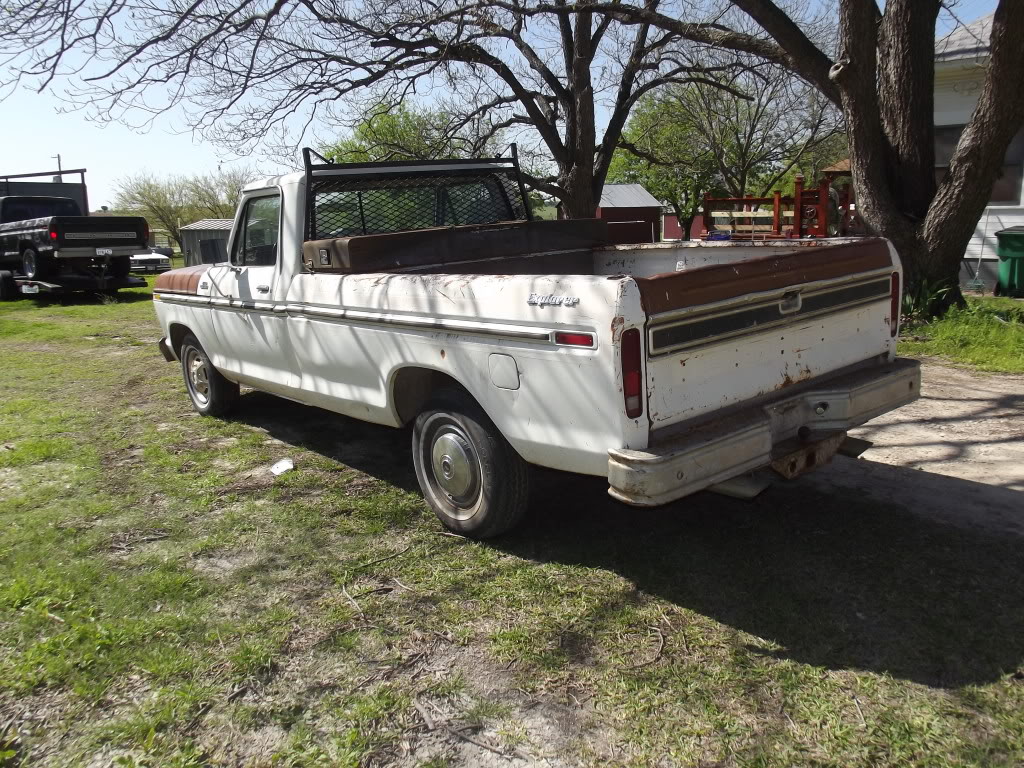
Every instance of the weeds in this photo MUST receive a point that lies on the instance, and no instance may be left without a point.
(987, 334)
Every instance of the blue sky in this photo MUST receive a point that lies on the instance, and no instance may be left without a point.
(34, 130)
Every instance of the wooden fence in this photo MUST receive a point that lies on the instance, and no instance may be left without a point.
(805, 213)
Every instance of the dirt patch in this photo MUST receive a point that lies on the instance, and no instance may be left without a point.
(123, 543)
(254, 747)
(532, 728)
(224, 564)
(9, 480)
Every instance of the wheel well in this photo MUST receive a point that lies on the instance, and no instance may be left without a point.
(178, 333)
(413, 387)
(24, 245)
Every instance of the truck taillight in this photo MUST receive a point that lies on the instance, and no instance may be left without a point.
(632, 373)
(53, 233)
(145, 231)
(894, 304)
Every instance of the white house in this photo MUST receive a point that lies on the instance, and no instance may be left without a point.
(960, 59)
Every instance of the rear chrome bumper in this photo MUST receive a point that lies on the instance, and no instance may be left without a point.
(753, 438)
(91, 252)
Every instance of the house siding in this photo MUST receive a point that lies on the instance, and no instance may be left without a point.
(957, 84)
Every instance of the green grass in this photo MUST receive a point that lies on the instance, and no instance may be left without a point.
(988, 334)
(165, 601)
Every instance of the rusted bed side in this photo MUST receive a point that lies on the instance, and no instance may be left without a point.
(807, 263)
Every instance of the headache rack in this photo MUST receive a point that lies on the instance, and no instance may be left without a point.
(409, 195)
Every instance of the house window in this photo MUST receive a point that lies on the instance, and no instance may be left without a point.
(1006, 189)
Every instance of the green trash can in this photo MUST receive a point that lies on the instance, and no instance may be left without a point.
(1010, 250)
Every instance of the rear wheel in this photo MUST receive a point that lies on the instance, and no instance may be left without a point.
(120, 266)
(210, 392)
(36, 266)
(471, 477)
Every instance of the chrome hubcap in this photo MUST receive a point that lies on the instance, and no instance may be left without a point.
(455, 466)
(198, 379)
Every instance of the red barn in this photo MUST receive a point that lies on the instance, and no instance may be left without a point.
(633, 214)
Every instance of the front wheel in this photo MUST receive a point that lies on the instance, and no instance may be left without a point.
(210, 392)
(471, 477)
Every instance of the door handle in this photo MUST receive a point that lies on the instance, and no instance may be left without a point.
(263, 288)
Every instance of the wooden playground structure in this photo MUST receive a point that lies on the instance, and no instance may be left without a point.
(822, 211)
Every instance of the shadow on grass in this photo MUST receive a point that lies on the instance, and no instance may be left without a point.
(91, 298)
(381, 452)
(835, 579)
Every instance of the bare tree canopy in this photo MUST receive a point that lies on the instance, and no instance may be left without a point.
(755, 141)
(249, 69)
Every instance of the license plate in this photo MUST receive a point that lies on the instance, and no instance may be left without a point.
(30, 289)
(104, 251)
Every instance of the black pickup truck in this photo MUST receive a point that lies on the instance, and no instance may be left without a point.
(45, 237)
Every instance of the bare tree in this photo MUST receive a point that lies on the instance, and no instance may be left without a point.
(668, 156)
(882, 77)
(756, 141)
(168, 203)
(215, 195)
(162, 201)
(248, 69)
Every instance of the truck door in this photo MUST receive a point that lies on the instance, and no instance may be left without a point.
(252, 334)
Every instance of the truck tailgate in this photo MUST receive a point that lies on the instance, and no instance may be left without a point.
(724, 334)
(75, 231)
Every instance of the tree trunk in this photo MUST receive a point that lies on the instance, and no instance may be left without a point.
(883, 79)
(579, 201)
(685, 224)
(888, 105)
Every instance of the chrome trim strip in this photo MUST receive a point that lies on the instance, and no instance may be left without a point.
(752, 318)
(100, 235)
(411, 322)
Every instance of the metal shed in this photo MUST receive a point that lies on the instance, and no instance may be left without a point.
(633, 214)
(214, 230)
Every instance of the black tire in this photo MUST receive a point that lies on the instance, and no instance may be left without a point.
(475, 482)
(211, 394)
(120, 266)
(8, 288)
(36, 266)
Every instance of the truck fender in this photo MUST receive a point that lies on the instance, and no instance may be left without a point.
(411, 387)
(176, 333)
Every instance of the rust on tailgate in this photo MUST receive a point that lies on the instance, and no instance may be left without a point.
(181, 280)
(718, 282)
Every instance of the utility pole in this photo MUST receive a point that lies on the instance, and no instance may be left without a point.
(60, 175)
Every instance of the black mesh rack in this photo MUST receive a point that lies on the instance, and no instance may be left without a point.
(379, 198)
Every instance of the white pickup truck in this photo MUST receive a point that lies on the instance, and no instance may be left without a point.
(423, 294)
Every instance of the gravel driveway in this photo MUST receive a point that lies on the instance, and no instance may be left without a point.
(956, 453)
